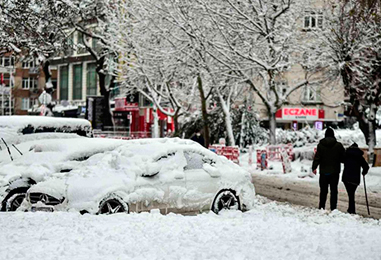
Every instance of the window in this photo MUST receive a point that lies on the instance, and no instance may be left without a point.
(54, 83)
(64, 89)
(28, 64)
(25, 103)
(77, 81)
(68, 45)
(312, 93)
(282, 87)
(91, 79)
(7, 61)
(313, 20)
(194, 161)
(80, 45)
(28, 83)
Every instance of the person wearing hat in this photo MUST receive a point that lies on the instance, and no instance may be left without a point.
(197, 137)
(353, 163)
(329, 155)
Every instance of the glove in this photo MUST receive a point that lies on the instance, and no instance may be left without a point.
(364, 173)
(314, 171)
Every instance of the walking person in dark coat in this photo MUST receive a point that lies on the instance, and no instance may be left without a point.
(329, 154)
(353, 163)
(197, 137)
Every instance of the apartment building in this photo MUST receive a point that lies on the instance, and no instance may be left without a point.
(316, 104)
(76, 74)
(22, 81)
(7, 62)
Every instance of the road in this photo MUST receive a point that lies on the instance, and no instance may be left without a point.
(307, 194)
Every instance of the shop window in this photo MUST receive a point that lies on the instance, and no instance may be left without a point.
(313, 20)
(77, 82)
(64, 86)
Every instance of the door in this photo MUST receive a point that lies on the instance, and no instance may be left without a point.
(201, 186)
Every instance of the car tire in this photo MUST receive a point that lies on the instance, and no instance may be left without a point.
(226, 200)
(14, 199)
(113, 205)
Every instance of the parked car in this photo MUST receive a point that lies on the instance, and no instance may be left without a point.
(172, 175)
(16, 129)
(41, 159)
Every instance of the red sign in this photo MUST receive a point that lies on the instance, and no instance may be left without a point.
(122, 105)
(300, 113)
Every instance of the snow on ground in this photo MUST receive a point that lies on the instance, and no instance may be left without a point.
(270, 231)
(301, 167)
(301, 172)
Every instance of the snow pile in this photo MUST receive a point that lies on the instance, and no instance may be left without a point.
(309, 135)
(270, 231)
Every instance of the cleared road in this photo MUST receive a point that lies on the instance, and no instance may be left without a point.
(307, 194)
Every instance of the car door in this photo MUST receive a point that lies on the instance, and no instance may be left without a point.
(167, 177)
(201, 185)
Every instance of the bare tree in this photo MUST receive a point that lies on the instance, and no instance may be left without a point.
(43, 28)
(353, 51)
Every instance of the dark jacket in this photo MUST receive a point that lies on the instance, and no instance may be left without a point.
(329, 155)
(353, 163)
(198, 139)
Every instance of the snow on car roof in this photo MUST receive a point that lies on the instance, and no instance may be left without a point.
(19, 122)
(14, 128)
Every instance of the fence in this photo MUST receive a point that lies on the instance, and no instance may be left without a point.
(121, 135)
(232, 153)
(274, 152)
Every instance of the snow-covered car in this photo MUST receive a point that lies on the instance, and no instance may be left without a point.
(171, 175)
(42, 159)
(17, 129)
(19, 134)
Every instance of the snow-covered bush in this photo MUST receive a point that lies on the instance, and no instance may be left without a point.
(298, 138)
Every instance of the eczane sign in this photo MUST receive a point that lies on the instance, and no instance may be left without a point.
(300, 113)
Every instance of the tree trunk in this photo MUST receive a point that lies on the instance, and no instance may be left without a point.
(272, 127)
(204, 111)
(155, 130)
(107, 117)
(48, 85)
(48, 76)
(176, 123)
(243, 126)
(228, 121)
(372, 139)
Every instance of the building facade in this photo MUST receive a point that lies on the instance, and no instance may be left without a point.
(318, 104)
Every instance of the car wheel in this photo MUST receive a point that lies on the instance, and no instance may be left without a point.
(226, 200)
(112, 206)
(14, 199)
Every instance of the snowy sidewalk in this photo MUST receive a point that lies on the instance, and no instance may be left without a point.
(276, 185)
(306, 193)
(269, 231)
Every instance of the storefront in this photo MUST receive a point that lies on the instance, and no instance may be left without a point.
(138, 121)
(297, 117)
